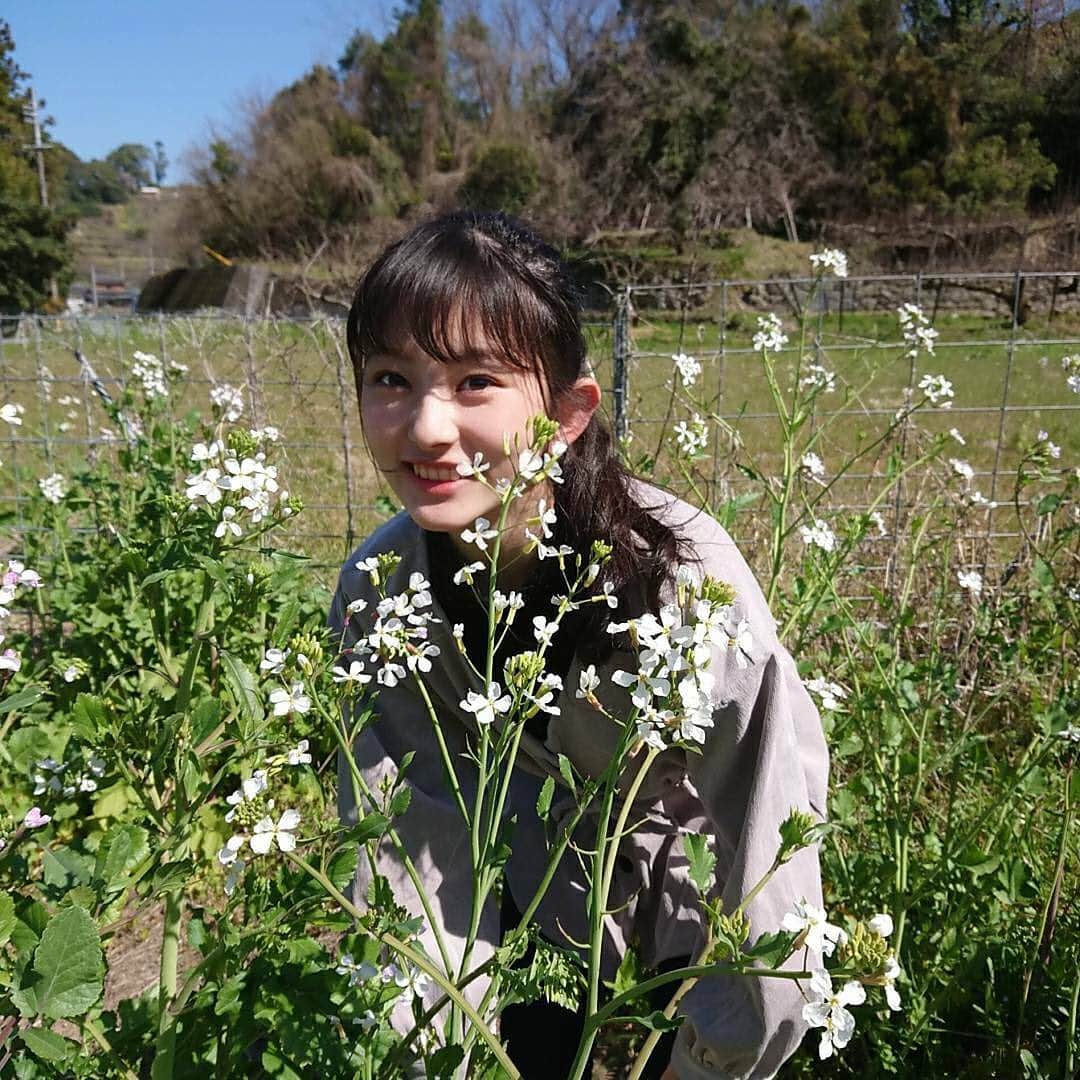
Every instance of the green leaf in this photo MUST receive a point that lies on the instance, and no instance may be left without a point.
(1048, 504)
(342, 868)
(89, 719)
(172, 875)
(46, 1044)
(367, 828)
(654, 1021)
(399, 803)
(205, 717)
(22, 700)
(121, 850)
(7, 917)
(628, 974)
(543, 801)
(702, 861)
(242, 686)
(771, 949)
(69, 965)
(65, 868)
(112, 801)
(215, 568)
(567, 772)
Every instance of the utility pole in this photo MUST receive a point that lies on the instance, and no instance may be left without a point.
(38, 147)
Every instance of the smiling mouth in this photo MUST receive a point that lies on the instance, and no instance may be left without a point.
(426, 472)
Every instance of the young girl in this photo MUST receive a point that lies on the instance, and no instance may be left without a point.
(459, 334)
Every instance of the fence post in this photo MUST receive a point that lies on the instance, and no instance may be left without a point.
(621, 363)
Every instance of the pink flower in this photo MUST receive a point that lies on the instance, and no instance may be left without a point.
(35, 818)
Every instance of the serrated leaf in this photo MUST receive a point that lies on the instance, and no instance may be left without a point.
(7, 917)
(771, 949)
(89, 720)
(112, 801)
(400, 800)
(172, 875)
(702, 861)
(122, 849)
(69, 967)
(342, 868)
(214, 568)
(22, 700)
(367, 828)
(47, 1045)
(543, 800)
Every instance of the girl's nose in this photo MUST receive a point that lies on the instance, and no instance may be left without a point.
(433, 422)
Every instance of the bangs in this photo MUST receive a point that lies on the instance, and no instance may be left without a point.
(459, 295)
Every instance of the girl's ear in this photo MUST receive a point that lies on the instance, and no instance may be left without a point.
(576, 407)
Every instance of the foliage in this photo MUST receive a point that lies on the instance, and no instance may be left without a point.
(502, 177)
(33, 238)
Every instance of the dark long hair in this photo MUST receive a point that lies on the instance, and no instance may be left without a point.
(487, 273)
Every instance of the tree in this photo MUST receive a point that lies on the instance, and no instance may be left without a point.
(33, 238)
(133, 161)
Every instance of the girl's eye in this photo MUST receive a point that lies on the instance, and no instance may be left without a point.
(388, 378)
(478, 382)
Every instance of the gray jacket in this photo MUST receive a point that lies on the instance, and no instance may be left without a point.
(765, 755)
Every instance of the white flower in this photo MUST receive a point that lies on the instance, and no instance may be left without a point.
(830, 259)
(588, 682)
(357, 973)
(741, 641)
(480, 533)
(938, 390)
(151, 372)
(1071, 367)
(266, 833)
(10, 660)
(354, 607)
(484, 707)
(812, 466)
(70, 673)
(233, 876)
(475, 467)
(543, 630)
(692, 439)
(546, 518)
(274, 661)
(464, 576)
(892, 973)
(957, 436)
(770, 336)
(227, 855)
(818, 535)
(828, 1011)
(810, 923)
(916, 329)
(878, 522)
(881, 924)
(290, 701)
(227, 523)
(228, 400)
(1069, 734)
(962, 469)
(818, 378)
(353, 674)
(11, 412)
(689, 368)
(970, 580)
(831, 693)
(1050, 447)
(299, 754)
(53, 487)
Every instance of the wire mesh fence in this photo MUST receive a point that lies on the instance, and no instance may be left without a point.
(1001, 340)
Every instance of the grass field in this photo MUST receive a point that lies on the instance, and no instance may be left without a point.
(297, 377)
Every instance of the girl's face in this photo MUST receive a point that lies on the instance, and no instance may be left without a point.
(423, 418)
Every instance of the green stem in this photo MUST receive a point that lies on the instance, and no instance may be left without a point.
(419, 960)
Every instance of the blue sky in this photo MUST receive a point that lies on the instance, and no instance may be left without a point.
(119, 71)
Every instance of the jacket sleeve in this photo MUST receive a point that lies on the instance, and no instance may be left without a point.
(765, 755)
